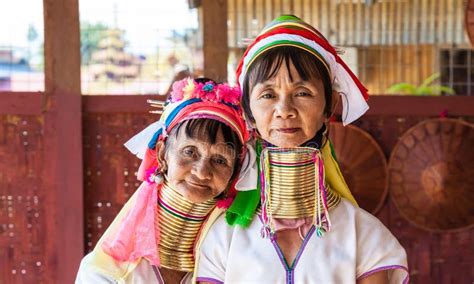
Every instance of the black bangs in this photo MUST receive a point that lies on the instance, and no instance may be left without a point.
(207, 129)
(268, 64)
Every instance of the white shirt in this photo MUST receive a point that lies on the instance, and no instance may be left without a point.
(143, 273)
(357, 246)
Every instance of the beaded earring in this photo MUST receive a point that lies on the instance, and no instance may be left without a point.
(157, 177)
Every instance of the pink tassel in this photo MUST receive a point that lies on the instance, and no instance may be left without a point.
(148, 162)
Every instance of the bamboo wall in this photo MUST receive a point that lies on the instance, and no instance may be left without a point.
(357, 22)
(387, 41)
(381, 66)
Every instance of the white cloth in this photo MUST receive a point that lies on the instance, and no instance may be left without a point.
(357, 245)
(249, 170)
(138, 144)
(143, 273)
(353, 103)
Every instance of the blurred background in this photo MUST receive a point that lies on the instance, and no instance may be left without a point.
(75, 76)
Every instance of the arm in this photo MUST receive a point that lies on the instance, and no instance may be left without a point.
(380, 277)
(87, 274)
(379, 252)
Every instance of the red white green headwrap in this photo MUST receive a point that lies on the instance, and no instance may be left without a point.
(291, 31)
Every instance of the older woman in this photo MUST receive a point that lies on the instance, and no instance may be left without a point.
(191, 157)
(308, 228)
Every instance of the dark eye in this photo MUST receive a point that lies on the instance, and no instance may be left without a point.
(220, 161)
(267, 96)
(188, 151)
(303, 94)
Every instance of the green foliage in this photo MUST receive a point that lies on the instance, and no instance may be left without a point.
(426, 88)
(91, 34)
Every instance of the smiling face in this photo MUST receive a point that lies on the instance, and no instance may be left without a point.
(197, 169)
(288, 110)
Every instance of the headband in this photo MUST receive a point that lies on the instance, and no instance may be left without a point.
(291, 31)
(188, 100)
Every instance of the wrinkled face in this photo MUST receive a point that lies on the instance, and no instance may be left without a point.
(197, 169)
(288, 112)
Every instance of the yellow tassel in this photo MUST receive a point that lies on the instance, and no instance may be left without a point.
(334, 175)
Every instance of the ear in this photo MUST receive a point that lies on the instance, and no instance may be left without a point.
(160, 155)
(334, 102)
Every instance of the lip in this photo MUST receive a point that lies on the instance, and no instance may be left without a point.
(197, 185)
(288, 130)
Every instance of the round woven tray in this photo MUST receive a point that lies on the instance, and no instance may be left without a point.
(362, 163)
(431, 175)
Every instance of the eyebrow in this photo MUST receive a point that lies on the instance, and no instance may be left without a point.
(299, 83)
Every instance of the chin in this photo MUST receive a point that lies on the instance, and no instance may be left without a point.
(286, 144)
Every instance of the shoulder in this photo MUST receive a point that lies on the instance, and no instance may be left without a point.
(88, 273)
(368, 233)
(97, 267)
(376, 247)
(217, 228)
(360, 218)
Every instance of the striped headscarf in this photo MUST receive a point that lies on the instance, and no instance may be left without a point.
(291, 31)
(189, 100)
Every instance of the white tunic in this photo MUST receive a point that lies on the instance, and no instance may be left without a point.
(143, 273)
(357, 246)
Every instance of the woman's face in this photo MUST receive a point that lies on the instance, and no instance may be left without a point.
(197, 169)
(288, 112)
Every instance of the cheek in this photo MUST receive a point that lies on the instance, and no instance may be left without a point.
(177, 168)
(262, 117)
(223, 178)
(313, 119)
(257, 110)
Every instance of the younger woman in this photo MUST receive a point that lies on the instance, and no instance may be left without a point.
(297, 222)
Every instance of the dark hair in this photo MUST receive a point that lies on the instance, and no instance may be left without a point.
(268, 64)
(208, 129)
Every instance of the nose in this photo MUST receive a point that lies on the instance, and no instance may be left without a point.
(285, 108)
(202, 169)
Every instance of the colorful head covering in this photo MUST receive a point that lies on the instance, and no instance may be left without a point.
(188, 100)
(289, 30)
(133, 234)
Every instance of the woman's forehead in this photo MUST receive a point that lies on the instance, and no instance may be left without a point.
(288, 76)
(287, 70)
(200, 140)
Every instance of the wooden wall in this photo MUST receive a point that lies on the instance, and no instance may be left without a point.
(356, 22)
(381, 66)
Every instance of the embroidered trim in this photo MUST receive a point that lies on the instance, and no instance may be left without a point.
(290, 269)
(208, 279)
(159, 277)
(388, 267)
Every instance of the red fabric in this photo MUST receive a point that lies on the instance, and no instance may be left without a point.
(310, 36)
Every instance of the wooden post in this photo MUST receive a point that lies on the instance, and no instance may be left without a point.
(62, 171)
(215, 46)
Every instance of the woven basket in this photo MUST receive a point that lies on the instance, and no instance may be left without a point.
(362, 163)
(431, 175)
